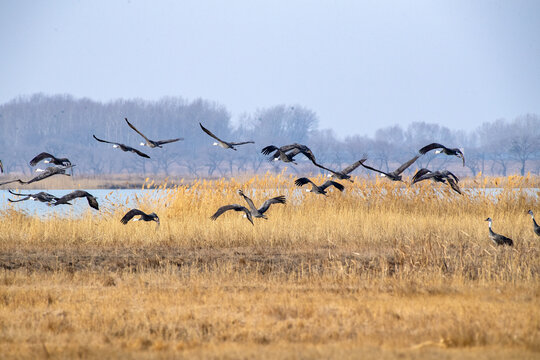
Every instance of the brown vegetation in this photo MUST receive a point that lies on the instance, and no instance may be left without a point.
(379, 271)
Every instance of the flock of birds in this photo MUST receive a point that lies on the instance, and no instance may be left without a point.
(284, 153)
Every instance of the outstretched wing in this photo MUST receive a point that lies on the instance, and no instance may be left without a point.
(302, 181)
(243, 142)
(161, 142)
(353, 166)
(453, 185)
(23, 199)
(268, 149)
(371, 168)
(248, 200)
(105, 141)
(277, 200)
(138, 132)
(210, 133)
(420, 175)
(402, 168)
(1, 167)
(450, 174)
(78, 194)
(234, 207)
(430, 147)
(40, 157)
(332, 183)
(17, 194)
(130, 214)
(138, 152)
(12, 181)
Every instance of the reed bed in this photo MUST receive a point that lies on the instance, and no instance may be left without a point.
(378, 271)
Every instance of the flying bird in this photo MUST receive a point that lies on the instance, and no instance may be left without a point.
(40, 196)
(536, 228)
(443, 149)
(396, 174)
(443, 176)
(50, 159)
(252, 211)
(152, 143)
(344, 174)
(318, 189)
(224, 144)
(287, 153)
(123, 147)
(143, 216)
(77, 194)
(497, 238)
(48, 172)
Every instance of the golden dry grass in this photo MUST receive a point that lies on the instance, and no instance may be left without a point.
(382, 270)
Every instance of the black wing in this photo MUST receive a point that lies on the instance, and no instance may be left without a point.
(130, 214)
(450, 174)
(420, 175)
(40, 157)
(453, 185)
(105, 141)
(302, 181)
(332, 183)
(277, 200)
(268, 149)
(161, 142)
(430, 147)
(210, 133)
(12, 181)
(140, 153)
(234, 207)
(371, 168)
(23, 199)
(138, 132)
(78, 194)
(1, 167)
(402, 168)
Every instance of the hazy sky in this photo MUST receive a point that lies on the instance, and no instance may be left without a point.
(360, 65)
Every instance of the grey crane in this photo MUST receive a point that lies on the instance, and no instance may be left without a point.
(49, 159)
(123, 147)
(497, 238)
(318, 189)
(252, 211)
(152, 143)
(443, 176)
(396, 174)
(143, 216)
(40, 196)
(92, 201)
(443, 149)
(535, 225)
(224, 144)
(287, 153)
(344, 174)
(48, 172)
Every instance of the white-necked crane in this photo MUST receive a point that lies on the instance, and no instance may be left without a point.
(40, 196)
(318, 189)
(443, 176)
(344, 174)
(224, 144)
(77, 194)
(152, 143)
(142, 216)
(396, 174)
(443, 149)
(252, 211)
(498, 239)
(536, 227)
(123, 147)
(48, 172)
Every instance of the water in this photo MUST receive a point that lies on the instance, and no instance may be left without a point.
(105, 197)
(109, 199)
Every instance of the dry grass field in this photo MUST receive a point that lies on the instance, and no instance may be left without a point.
(382, 270)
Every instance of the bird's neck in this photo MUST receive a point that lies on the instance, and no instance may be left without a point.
(438, 151)
(115, 146)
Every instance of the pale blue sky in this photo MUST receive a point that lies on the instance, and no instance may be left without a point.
(360, 65)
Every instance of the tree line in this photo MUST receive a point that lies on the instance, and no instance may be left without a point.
(63, 126)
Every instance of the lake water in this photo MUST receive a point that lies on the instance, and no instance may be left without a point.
(128, 198)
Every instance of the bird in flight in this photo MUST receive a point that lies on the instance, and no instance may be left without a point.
(443, 149)
(48, 172)
(396, 174)
(224, 144)
(142, 216)
(443, 176)
(318, 189)
(77, 194)
(123, 147)
(152, 143)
